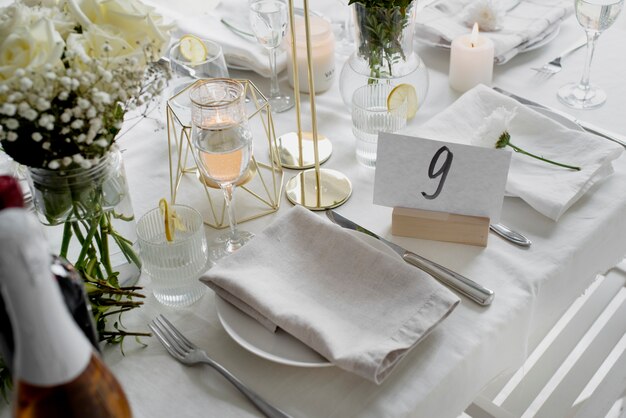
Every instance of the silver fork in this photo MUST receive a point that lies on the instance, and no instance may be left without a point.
(554, 66)
(187, 353)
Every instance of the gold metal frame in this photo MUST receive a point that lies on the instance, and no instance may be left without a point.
(263, 185)
(315, 189)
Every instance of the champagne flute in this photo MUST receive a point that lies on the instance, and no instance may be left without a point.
(594, 16)
(268, 19)
(222, 144)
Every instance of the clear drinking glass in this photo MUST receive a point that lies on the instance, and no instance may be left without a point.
(268, 19)
(370, 116)
(222, 146)
(174, 266)
(185, 72)
(594, 16)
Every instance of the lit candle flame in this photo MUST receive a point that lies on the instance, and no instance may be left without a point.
(474, 37)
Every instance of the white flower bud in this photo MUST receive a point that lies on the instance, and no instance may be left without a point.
(11, 136)
(54, 165)
(45, 145)
(66, 161)
(36, 136)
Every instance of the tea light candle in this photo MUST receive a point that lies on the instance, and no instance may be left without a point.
(471, 61)
(323, 54)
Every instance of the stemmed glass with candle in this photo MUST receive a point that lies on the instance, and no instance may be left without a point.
(268, 19)
(594, 16)
(222, 144)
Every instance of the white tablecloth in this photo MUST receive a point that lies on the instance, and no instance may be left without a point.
(441, 376)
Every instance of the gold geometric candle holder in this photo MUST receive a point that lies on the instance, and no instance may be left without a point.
(260, 189)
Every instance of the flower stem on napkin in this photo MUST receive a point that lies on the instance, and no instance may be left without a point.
(505, 140)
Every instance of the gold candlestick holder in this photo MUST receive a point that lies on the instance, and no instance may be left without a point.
(262, 186)
(315, 189)
(297, 149)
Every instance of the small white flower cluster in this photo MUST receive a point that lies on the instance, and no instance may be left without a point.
(487, 13)
(499, 121)
(65, 112)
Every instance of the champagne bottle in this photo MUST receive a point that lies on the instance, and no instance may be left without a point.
(57, 372)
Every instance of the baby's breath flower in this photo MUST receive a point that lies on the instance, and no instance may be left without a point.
(36, 136)
(77, 124)
(101, 143)
(11, 124)
(26, 84)
(54, 165)
(8, 109)
(11, 136)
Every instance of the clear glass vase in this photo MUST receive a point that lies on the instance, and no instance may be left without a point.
(384, 51)
(90, 218)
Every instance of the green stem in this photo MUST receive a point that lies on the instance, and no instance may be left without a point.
(105, 259)
(67, 236)
(521, 151)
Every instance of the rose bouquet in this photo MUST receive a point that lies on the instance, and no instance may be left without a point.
(69, 71)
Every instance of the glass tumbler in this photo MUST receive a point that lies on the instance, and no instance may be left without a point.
(176, 265)
(370, 116)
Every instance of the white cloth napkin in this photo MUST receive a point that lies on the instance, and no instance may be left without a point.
(358, 307)
(549, 189)
(526, 24)
(203, 20)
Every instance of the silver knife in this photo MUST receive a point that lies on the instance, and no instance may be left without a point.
(585, 125)
(461, 284)
(510, 235)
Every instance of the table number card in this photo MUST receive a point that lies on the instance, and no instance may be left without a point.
(437, 176)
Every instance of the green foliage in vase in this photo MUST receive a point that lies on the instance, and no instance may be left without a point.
(380, 24)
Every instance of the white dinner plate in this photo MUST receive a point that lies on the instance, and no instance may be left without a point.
(278, 347)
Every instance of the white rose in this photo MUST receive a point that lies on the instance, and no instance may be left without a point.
(30, 47)
(19, 14)
(90, 45)
(130, 20)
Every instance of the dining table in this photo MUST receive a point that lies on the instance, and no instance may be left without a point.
(476, 344)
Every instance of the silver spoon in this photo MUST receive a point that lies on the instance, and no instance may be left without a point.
(510, 235)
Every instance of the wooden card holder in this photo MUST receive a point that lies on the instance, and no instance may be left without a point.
(440, 226)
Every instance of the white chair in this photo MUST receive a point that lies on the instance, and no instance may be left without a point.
(578, 369)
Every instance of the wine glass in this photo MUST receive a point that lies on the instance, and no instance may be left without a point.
(222, 144)
(268, 19)
(594, 16)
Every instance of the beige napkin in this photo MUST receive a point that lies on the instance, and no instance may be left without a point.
(525, 24)
(549, 189)
(360, 308)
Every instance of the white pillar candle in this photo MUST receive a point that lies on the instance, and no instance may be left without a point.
(471, 61)
(323, 55)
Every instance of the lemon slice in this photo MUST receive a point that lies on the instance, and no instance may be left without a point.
(192, 49)
(400, 94)
(169, 227)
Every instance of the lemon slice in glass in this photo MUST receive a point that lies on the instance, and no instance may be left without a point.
(193, 49)
(400, 94)
(169, 227)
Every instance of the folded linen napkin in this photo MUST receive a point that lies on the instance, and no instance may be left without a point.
(526, 24)
(205, 23)
(549, 189)
(358, 307)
